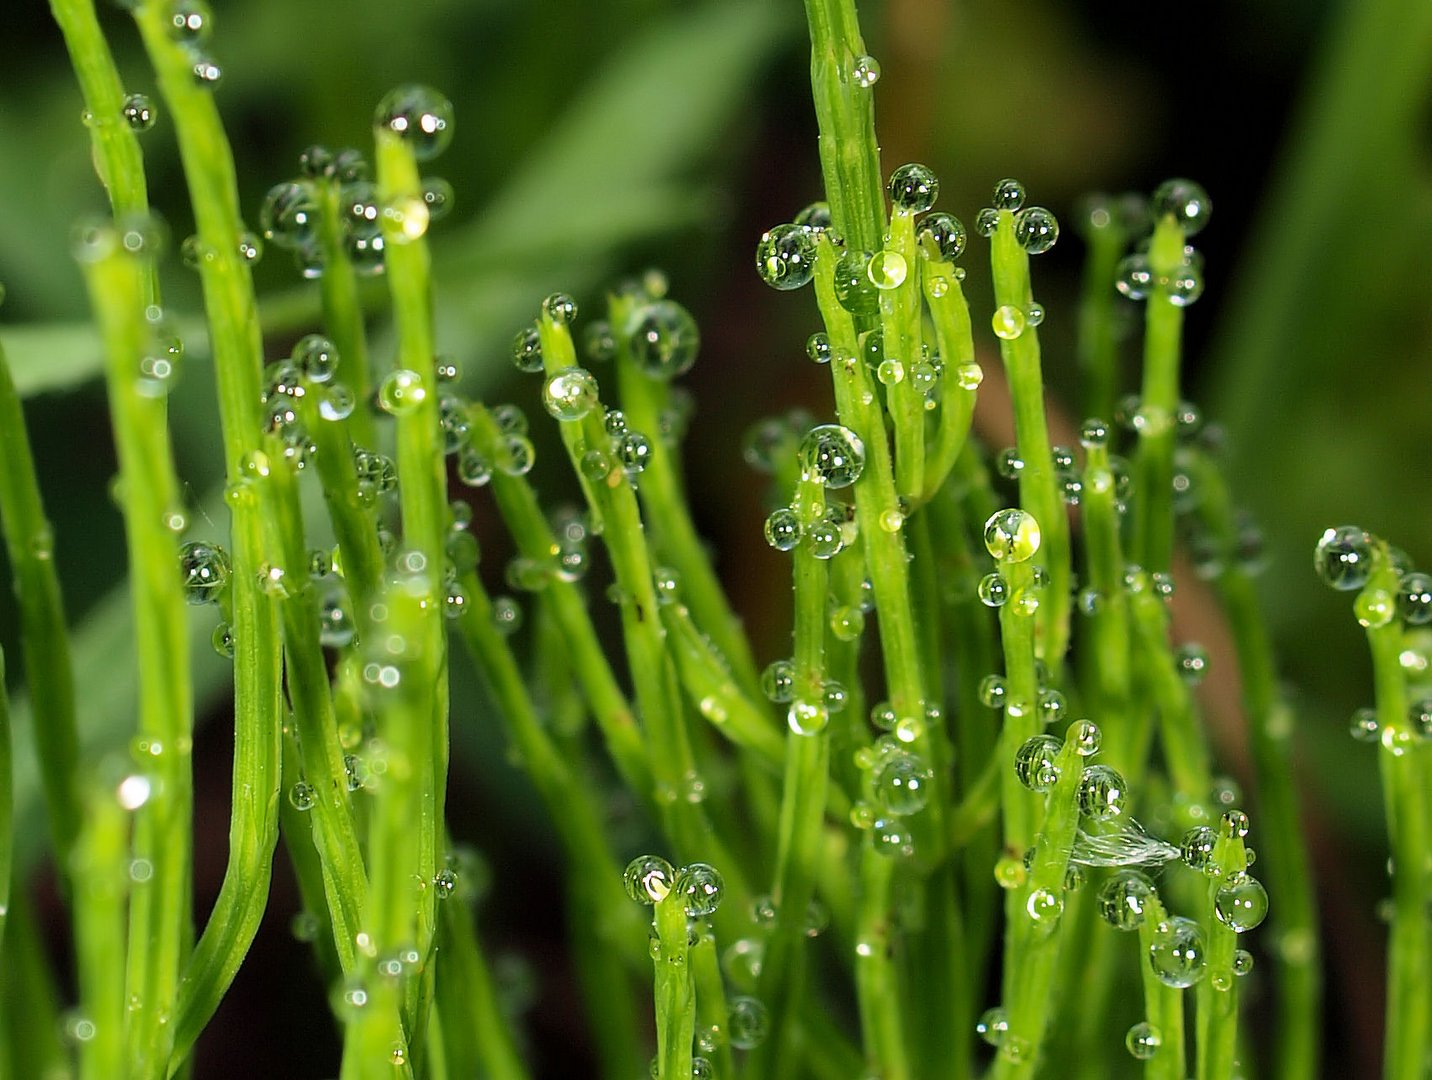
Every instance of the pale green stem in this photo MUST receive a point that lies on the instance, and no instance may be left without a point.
(1217, 993)
(101, 873)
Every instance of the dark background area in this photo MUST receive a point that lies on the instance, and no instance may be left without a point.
(1307, 124)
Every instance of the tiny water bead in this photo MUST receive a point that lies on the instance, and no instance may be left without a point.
(1185, 286)
(1044, 907)
(1196, 849)
(853, 289)
(748, 1022)
(1374, 608)
(663, 339)
(783, 529)
(824, 539)
(204, 570)
(987, 221)
(1191, 660)
(401, 392)
(1035, 763)
(1186, 202)
(1095, 432)
(865, 71)
(418, 115)
(993, 690)
(701, 889)
(913, 188)
(1008, 194)
(1177, 957)
(190, 22)
(1036, 229)
(648, 879)
(1011, 535)
(778, 681)
(138, 112)
(1143, 1040)
(1084, 734)
(818, 348)
(1008, 322)
(945, 232)
(1134, 277)
(316, 357)
(1241, 904)
(902, 783)
(1103, 793)
(833, 455)
(1364, 726)
(887, 270)
(993, 590)
(570, 393)
(1414, 598)
(1242, 962)
(289, 214)
(303, 796)
(633, 452)
(807, 717)
(993, 1025)
(1124, 899)
(785, 257)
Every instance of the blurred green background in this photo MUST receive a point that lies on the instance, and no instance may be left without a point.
(599, 138)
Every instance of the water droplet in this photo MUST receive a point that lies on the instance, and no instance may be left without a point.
(785, 256)
(1103, 793)
(833, 455)
(1241, 904)
(902, 783)
(945, 232)
(748, 1022)
(570, 393)
(1044, 907)
(1134, 277)
(663, 339)
(1191, 660)
(993, 590)
(1177, 956)
(887, 270)
(437, 197)
(1143, 1040)
(418, 115)
(892, 837)
(847, 623)
(599, 342)
(289, 214)
(1196, 849)
(818, 348)
(205, 571)
(1374, 608)
(1185, 286)
(701, 889)
(401, 392)
(648, 879)
(913, 188)
(1123, 901)
(1242, 962)
(1036, 229)
(993, 1026)
(1414, 598)
(1008, 322)
(852, 284)
(865, 72)
(1011, 536)
(633, 452)
(1084, 734)
(190, 22)
(1034, 762)
(138, 112)
(1008, 194)
(1034, 315)
(303, 796)
(206, 73)
(1186, 202)
(222, 639)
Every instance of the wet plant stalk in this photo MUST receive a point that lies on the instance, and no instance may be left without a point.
(1405, 801)
(7, 806)
(160, 928)
(1098, 342)
(1285, 861)
(954, 336)
(101, 876)
(1163, 1005)
(29, 543)
(1158, 408)
(802, 800)
(343, 310)
(1038, 485)
(901, 331)
(675, 990)
(1217, 993)
(237, 349)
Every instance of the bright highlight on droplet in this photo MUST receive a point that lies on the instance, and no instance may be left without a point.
(133, 792)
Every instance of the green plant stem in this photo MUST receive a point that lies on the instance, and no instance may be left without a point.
(1033, 959)
(468, 1001)
(1217, 992)
(658, 693)
(117, 156)
(331, 816)
(303, 856)
(675, 990)
(519, 508)
(1098, 342)
(236, 345)
(101, 876)
(1158, 406)
(877, 985)
(1163, 1005)
(1402, 761)
(802, 801)
(900, 328)
(1038, 486)
(422, 489)
(665, 509)
(711, 1014)
(30, 1025)
(160, 927)
(1108, 667)
(7, 806)
(954, 336)
(1019, 806)
(343, 310)
(1285, 861)
(1185, 744)
(845, 114)
(29, 543)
